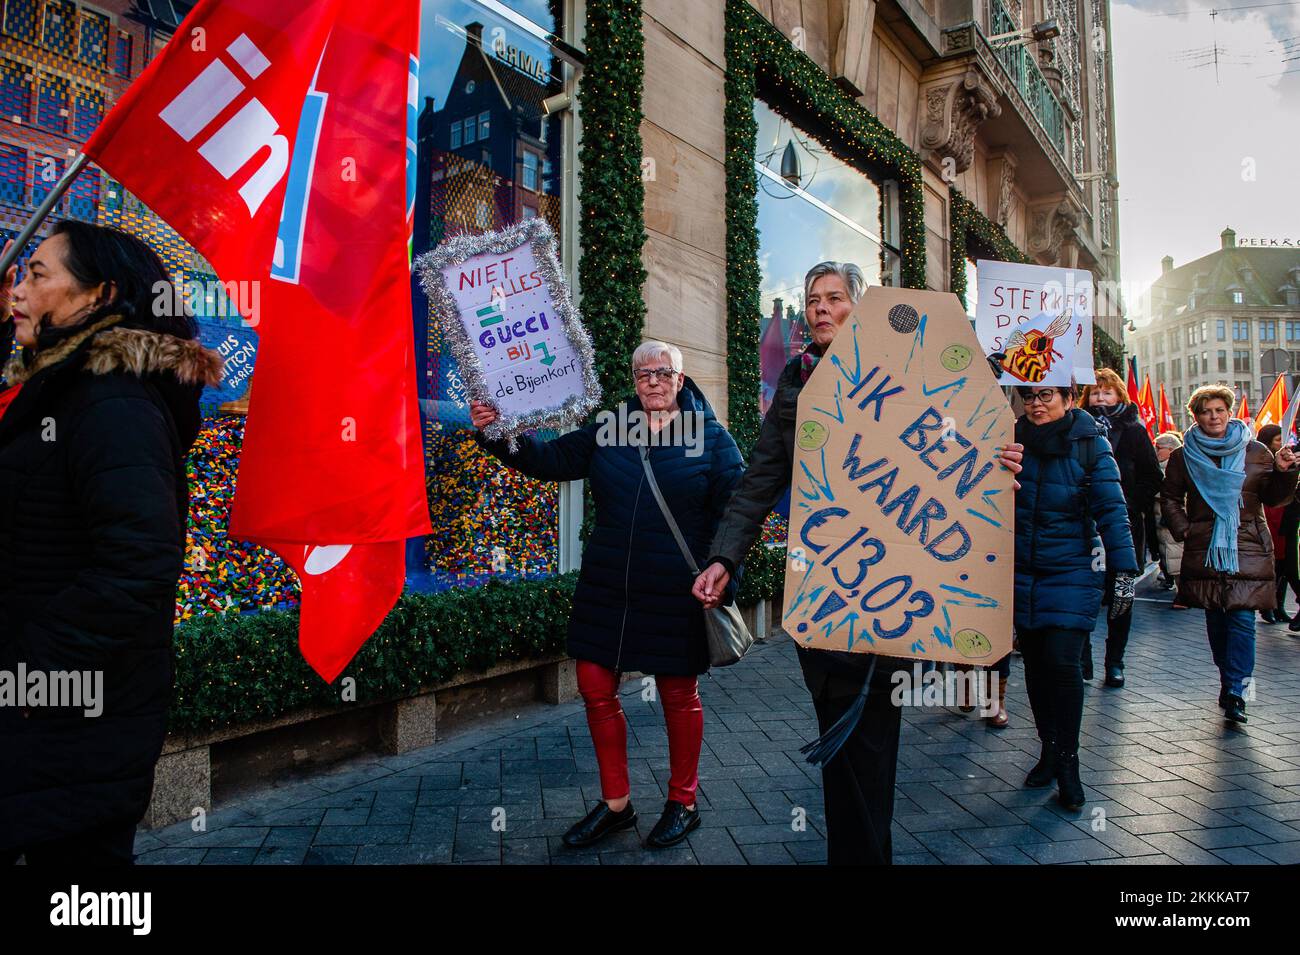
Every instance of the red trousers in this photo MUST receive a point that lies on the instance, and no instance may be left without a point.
(683, 715)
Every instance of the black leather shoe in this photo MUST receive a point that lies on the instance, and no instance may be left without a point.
(1294, 625)
(1070, 788)
(1235, 711)
(599, 823)
(1114, 675)
(673, 826)
(1267, 616)
(1044, 770)
(1281, 616)
(1087, 669)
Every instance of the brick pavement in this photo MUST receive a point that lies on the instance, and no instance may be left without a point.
(1173, 783)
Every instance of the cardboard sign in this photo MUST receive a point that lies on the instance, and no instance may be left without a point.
(502, 301)
(902, 521)
(1040, 318)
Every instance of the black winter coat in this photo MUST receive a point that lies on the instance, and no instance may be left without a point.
(633, 608)
(768, 477)
(93, 504)
(1139, 471)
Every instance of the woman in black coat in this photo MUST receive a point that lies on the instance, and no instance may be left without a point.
(632, 608)
(1140, 477)
(98, 415)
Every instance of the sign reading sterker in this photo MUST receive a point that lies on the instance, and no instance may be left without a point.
(901, 520)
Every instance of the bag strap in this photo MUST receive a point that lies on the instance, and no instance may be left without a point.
(663, 507)
(1085, 452)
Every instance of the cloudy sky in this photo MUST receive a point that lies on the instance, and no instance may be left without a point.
(1198, 152)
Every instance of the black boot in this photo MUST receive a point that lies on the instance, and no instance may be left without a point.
(1235, 710)
(673, 826)
(1044, 770)
(1267, 616)
(1280, 615)
(1115, 674)
(1069, 787)
(599, 823)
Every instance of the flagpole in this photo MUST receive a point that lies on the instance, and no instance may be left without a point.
(42, 212)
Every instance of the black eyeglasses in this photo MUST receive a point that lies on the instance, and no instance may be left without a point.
(1042, 397)
(648, 374)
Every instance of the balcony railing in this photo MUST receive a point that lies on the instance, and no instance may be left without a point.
(1028, 78)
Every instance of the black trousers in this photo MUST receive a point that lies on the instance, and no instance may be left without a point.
(858, 782)
(1054, 682)
(1117, 632)
(105, 846)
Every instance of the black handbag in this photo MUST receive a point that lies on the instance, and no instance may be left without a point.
(729, 638)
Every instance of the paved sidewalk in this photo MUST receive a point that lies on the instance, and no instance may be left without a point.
(1167, 780)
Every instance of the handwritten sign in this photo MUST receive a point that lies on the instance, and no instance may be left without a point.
(901, 520)
(502, 301)
(1040, 318)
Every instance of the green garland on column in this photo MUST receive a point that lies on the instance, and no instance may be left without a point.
(969, 230)
(611, 194)
(762, 62)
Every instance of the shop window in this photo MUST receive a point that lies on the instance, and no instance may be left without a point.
(812, 207)
(490, 521)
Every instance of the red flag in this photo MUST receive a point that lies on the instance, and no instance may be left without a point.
(218, 111)
(1166, 417)
(1273, 410)
(1243, 410)
(332, 472)
(1133, 382)
(1147, 408)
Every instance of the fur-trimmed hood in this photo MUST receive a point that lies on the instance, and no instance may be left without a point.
(131, 350)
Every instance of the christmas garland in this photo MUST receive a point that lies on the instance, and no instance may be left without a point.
(611, 194)
(970, 231)
(763, 63)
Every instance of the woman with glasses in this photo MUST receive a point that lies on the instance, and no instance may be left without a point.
(632, 608)
(1071, 528)
(1215, 487)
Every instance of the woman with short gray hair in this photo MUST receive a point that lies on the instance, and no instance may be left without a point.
(632, 607)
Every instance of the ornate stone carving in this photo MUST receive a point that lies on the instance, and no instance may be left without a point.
(1050, 224)
(954, 107)
(1002, 174)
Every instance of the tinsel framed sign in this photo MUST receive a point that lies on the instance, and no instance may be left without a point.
(502, 302)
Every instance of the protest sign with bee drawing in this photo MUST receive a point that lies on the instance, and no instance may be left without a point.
(1035, 322)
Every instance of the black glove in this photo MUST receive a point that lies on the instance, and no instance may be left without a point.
(1121, 597)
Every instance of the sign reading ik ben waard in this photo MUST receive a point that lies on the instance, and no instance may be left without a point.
(503, 304)
(901, 519)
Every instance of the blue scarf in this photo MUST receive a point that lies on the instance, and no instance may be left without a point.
(1220, 486)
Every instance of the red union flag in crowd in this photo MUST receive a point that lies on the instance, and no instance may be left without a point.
(309, 189)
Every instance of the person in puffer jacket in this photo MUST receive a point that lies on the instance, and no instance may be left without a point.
(632, 607)
(96, 419)
(1071, 528)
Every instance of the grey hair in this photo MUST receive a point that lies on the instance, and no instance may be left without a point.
(654, 349)
(1168, 439)
(853, 278)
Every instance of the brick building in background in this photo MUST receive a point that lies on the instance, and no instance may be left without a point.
(1230, 317)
